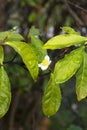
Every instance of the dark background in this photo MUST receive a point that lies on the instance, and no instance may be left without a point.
(48, 16)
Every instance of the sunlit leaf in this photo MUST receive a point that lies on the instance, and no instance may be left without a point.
(70, 30)
(37, 46)
(15, 37)
(81, 79)
(52, 98)
(67, 67)
(5, 91)
(28, 55)
(10, 36)
(64, 40)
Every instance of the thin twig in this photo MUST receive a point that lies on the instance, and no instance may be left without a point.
(77, 6)
(74, 15)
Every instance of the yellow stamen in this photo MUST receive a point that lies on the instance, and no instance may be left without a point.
(45, 62)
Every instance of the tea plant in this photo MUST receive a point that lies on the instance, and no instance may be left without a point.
(35, 57)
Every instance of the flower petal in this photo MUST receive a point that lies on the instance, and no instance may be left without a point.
(44, 67)
(50, 62)
(39, 65)
(47, 57)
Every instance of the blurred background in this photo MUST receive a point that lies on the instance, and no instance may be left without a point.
(48, 16)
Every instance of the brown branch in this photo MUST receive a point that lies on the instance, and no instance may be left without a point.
(74, 15)
(13, 110)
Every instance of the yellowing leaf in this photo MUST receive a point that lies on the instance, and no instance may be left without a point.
(52, 98)
(28, 55)
(81, 79)
(64, 40)
(67, 67)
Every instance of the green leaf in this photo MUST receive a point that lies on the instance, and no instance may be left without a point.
(34, 32)
(1, 55)
(10, 36)
(69, 30)
(74, 127)
(81, 79)
(28, 55)
(52, 98)
(5, 92)
(67, 67)
(15, 37)
(37, 46)
(33, 3)
(64, 40)
(32, 17)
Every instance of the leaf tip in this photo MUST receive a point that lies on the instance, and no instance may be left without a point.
(44, 47)
(79, 98)
(35, 80)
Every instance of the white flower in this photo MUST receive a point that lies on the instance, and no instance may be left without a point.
(45, 63)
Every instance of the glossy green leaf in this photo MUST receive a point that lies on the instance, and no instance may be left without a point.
(10, 36)
(37, 46)
(28, 55)
(81, 79)
(52, 98)
(1, 55)
(5, 92)
(15, 37)
(67, 67)
(70, 30)
(64, 40)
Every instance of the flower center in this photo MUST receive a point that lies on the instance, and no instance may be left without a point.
(45, 62)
